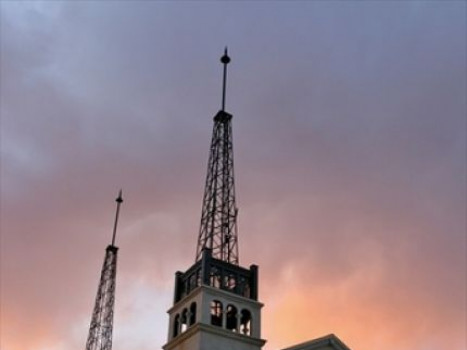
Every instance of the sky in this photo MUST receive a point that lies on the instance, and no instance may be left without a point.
(349, 133)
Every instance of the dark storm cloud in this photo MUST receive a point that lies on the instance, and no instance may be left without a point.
(349, 129)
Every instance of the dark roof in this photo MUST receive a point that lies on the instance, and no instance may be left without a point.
(329, 341)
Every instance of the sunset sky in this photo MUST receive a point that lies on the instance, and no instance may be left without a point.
(350, 160)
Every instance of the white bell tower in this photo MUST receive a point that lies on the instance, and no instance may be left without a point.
(216, 303)
(215, 308)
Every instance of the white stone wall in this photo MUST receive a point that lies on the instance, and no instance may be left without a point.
(204, 336)
(239, 302)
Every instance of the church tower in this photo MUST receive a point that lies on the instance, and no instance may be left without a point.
(216, 303)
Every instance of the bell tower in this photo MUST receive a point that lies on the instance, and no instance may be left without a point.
(216, 303)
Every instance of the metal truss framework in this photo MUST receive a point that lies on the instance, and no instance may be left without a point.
(218, 231)
(100, 332)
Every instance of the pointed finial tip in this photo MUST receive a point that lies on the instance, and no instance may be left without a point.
(119, 198)
(225, 58)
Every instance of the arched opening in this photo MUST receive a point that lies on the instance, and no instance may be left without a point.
(184, 321)
(192, 314)
(245, 322)
(176, 325)
(216, 313)
(231, 318)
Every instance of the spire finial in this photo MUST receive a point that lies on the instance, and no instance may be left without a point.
(225, 59)
(119, 201)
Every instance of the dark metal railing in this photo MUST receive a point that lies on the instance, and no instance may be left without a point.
(219, 274)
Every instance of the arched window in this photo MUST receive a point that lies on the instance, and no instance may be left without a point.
(245, 322)
(184, 320)
(176, 325)
(192, 314)
(231, 318)
(216, 313)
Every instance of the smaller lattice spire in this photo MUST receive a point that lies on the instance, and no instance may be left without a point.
(101, 328)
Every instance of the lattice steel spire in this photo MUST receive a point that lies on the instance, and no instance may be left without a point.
(100, 331)
(218, 231)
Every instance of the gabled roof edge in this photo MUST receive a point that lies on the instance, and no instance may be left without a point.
(330, 339)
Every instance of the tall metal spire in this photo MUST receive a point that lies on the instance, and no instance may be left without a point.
(100, 331)
(218, 230)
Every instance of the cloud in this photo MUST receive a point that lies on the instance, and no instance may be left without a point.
(349, 132)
